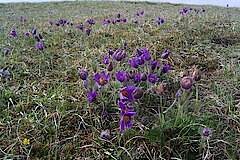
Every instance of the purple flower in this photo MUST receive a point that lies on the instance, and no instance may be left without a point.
(50, 22)
(137, 77)
(102, 78)
(37, 38)
(206, 132)
(83, 74)
(1, 71)
(121, 76)
(133, 62)
(92, 96)
(154, 64)
(126, 113)
(140, 60)
(166, 68)
(118, 20)
(160, 20)
(137, 13)
(80, 26)
(126, 93)
(110, 52)
(142, 12)
(34, 31)
(203, 10)
(13, 33)
(50, 12)
(186, 82)
(125, 44)
(106, 21)
(118, 15)
(124, 20)
(7, 51)
(113, 21)
(88, 32)
(119, 55)
(40, 46)
(136, 21)
(27, 34)
(146, 54)
(60, 21)
(91, 22)
(179, 93)
(106, 60)
(152, 78)
(165, 54)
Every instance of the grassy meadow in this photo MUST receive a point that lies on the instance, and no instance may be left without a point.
(49, 111)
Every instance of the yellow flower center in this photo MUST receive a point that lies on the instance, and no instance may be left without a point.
(126, 119)
(152, 79)
(102, 81)
(125, 93)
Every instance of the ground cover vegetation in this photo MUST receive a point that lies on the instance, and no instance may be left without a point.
(119, 80)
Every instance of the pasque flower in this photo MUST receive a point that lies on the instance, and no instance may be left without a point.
(92, 96)
(83, 74)
(102, 78)
(133, 63)
(106, 60)
(126, 119)
(88, 31)
(121, 76)
(166, 68)
(126, 93)
(187, 82)
(152, 78)
(137, 77)
(154, 64)
(165, 54)
(40, 46)
(119, 55)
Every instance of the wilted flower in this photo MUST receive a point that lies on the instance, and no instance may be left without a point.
(154, 64)
(83, 74)
(133, 63)
(105, 134)
(152, 78)
(166, 68)
(187, 82)
(130, 74)
(206, 132)
(92, 96)
(160, 88)
(88, 32)
(40, 36)
(126, 93)
(196, 74)
(40, 46)
(102, 78)
(110, 66)
(126, 113)
(144, 77)
(121, 76)
(138, 93)
(165, 54)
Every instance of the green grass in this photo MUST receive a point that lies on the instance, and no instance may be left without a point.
(43, 98)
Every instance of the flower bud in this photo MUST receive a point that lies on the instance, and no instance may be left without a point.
(187, 82)
(206, 132)
(138, 93)
(83, 74)
(110, 66)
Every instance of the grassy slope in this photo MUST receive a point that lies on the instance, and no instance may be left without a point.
(43, 99)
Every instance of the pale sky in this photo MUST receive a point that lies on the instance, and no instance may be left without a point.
(232, 3)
